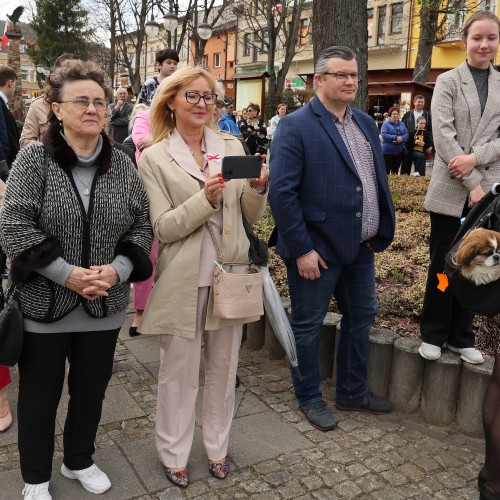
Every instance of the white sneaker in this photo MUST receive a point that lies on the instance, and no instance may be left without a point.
(92, 479)
(469, 354)
(36, 491)
(429, 351)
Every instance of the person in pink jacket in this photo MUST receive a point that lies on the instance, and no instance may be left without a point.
(5, 414)
(141, 135)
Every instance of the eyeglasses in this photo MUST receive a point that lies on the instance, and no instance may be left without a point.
(195, 98)
(342, 77)
(82, 103)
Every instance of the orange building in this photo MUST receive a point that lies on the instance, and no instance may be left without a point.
(220, 55)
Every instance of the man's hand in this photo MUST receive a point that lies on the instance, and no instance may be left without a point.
(308, 265)
(461, 165)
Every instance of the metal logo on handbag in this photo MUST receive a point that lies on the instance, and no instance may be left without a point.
(236, 294)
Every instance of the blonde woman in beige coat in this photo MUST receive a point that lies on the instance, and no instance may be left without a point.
(465, 125)
(181, 174)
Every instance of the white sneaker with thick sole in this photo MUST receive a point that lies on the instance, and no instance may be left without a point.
(92, 479)
(469, 354)
(429, 351)
(36, 491)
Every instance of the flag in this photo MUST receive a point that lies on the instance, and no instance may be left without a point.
(5, 40)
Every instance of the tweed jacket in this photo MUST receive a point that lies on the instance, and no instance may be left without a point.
(458, 128)
(43, 219)
(178, 212)
(12, 132)
(36, 123)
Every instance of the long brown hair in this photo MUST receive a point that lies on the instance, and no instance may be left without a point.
(479, 15)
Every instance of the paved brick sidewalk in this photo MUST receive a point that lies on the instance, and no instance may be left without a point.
(274, 452)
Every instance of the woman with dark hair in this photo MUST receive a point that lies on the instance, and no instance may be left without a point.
(253, 130)
(394, 136)
(77, 234)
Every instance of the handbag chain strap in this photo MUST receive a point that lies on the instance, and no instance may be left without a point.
(217, 249)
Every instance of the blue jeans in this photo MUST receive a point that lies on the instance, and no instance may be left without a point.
(353, 286)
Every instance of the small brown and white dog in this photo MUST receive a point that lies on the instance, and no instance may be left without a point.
(478, 256)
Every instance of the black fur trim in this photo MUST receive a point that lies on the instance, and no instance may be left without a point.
(143, 268)
(61, 153)
(24, 265)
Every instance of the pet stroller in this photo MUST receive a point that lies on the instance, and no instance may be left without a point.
(482, 300)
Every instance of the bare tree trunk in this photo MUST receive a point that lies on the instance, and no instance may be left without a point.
(429, 20)
(112, 39)
(347, 25)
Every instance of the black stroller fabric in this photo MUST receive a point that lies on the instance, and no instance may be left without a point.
(483, 300)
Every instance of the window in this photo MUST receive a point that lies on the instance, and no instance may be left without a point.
(204, 61)
(397, 18)
(382, 14)
(456, 19)
(25, 74)
(152, 56)
(257, 42)
(303, 31)
(143, 57)
(217, 60)
(265, 42)
(490, 5)
(369, 13)
(246, 44)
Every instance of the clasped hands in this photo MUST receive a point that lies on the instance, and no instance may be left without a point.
(460, 165)
(93, 282)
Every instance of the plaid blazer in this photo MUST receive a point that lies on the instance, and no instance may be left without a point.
(458, 128)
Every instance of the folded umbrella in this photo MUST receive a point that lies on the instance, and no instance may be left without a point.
(279, 321)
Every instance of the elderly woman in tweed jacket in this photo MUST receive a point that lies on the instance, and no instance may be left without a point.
(465, 124)
(75, 225)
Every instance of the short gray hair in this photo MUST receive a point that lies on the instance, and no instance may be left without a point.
(336, 51)
(119, 89)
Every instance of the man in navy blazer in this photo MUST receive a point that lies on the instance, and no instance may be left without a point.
(332, 206)
(8, 78)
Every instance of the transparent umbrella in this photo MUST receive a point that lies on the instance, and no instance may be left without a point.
(279, 321)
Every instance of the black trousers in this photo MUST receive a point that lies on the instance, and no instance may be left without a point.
(41, 379)
(443, 318)
(392, 163)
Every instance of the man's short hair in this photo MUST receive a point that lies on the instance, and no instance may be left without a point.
(163, 55)
(65, 57)
(7, 73)
(419, 96)
(336, 51)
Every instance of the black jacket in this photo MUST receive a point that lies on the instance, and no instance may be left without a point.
(409, 120)
(13, 134)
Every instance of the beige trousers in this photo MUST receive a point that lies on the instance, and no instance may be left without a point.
(178, 383)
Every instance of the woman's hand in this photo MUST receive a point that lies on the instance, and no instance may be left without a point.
(144, 142)
(214, 186)
(78, 281)
(475, 195)
(399, 139)
(99, 283)
(259, 183)
(461, 165)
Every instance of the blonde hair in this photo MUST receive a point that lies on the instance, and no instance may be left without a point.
(162, 117)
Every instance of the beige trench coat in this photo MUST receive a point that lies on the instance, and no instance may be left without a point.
(178, 211)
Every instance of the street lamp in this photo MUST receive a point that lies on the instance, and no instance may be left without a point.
(39, 68)
(204, 30)
(152, 28)
(170, 21)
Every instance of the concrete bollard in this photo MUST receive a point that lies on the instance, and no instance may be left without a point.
(255, 335)
(406, 375)
(440, 389)
(380, 361)
(327, 344)
(473, 385)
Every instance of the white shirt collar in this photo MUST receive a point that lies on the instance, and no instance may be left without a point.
(4, 97)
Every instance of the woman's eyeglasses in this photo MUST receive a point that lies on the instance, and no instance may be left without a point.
(195, 98)
(81, 103)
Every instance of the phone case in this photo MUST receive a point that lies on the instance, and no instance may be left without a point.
(241, 167)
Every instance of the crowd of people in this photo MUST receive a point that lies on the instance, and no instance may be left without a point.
(121, 193)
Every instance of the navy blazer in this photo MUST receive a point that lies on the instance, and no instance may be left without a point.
(13, 134)
(316, 194)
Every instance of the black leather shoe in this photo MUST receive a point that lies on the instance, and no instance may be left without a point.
(368, 404)
(319, 416)
(482, 477)
(132, 331)
(486, 493)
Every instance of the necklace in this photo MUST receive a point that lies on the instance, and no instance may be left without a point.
(86, 185)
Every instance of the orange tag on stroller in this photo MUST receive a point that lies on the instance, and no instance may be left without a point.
(443, 282)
